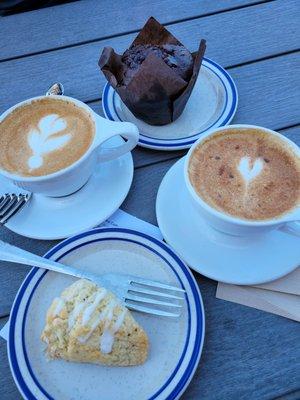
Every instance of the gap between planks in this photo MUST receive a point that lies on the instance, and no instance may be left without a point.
(128, 32)
(139, 152)
(258, 60)
(84, 81)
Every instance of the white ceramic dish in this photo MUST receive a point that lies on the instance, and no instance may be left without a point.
(68, 180)
(212, 104)
(175, 345)
(50, 218)
(245, 260)
(233, 225)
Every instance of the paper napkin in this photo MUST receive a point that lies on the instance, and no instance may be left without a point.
(281, 297)
(288, 284)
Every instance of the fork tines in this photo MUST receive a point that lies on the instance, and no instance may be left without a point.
(10, 204)
(154, 297)
(155, 284)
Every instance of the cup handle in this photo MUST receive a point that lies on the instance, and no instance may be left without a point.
(108, 129)
(293, 228)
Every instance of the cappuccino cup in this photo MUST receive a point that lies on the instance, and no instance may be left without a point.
(245, 179)
(51, 144)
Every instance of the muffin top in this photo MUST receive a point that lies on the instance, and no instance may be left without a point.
(175, 56)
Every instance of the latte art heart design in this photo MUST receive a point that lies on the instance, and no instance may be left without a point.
(41, 142)
(246, 171)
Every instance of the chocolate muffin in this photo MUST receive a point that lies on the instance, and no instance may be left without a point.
(176, 57)
(155, 76)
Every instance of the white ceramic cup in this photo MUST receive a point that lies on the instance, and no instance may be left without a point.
(73, 177)
(235, 226)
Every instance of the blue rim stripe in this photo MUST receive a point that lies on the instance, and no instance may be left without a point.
(11, 345)
(106, 109)
(23, 337)
(200, 317)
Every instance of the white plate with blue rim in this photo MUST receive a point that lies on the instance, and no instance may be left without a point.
(175, 344)
(212, 104)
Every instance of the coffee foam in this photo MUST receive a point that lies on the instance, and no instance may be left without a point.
(41, 140)
(247, 173)
(44, 136)
(250, 169)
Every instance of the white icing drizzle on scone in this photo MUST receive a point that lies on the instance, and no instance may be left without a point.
(83, 339)
(106, 314)
(74, 314)
(108, 336)
(58, 307)
(88, 312)
(91, 318)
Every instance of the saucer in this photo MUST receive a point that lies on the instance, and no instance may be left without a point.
(51, 218)
(212, 104)
(225, 258)
(175, 344)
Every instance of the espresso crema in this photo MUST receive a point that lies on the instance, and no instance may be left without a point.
(44, 136)
(247, 173)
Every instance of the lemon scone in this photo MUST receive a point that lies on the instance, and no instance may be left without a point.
(88, 324)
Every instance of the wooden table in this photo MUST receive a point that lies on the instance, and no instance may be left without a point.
(248, 354)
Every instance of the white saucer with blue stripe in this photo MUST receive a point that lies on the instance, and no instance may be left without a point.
(237, 260)
(51, 218)
(175, 344)
(212, 104)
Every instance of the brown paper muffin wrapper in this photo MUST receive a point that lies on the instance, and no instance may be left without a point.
(156, 94)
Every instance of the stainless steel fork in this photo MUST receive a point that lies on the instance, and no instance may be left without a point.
(137, 294)
(10, 204)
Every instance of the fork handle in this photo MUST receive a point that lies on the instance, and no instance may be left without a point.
(20, 256)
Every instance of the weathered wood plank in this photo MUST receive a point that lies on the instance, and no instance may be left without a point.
(265, 92)
(88, 20)
(243, 358)
(77, 67)
(139, 202)
(230, 344)
(11, 275)
(239, 340)
(8, 389)
(293, 395)
(142, 196)
(145, 157)
(247, 354)
(3, 321)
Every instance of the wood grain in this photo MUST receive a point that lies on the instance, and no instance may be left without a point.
(229, 369)
(143, 157)
(77, 68)
(8, 389)
(268, 96)
(248, 354)
(139, 202)
(142, 196)
(92, 20)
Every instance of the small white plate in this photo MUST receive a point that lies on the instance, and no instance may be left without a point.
(175, 344)
(212, 104)
(51, 218)
(224, 258)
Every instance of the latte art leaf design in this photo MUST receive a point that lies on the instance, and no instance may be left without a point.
(249, 172)
(41, 142)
